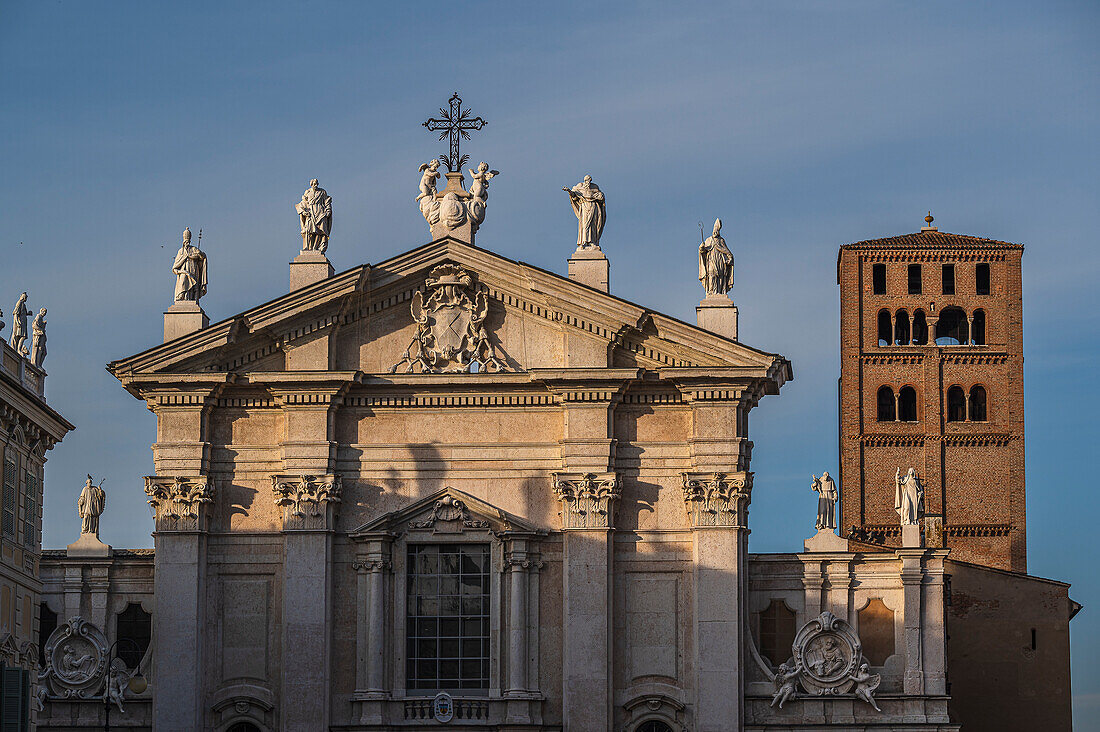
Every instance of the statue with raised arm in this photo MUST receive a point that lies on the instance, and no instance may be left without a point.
(715, 262)
(590, 209)
(908, 497)
(19, 325)
(190, 270)
(479, 188)
(429, 175)
(784, 681)
(826, 501)
(90, 505)
(38, 339)
(315, 215)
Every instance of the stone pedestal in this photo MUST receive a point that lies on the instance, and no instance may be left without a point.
(825, 540)
(88, 545)
(591, 267)
(911, 536)
(718, 314)
(308, 268)
(452, 203)
(185, 316)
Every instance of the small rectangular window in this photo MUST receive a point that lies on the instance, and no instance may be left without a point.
(949, 279)
(30, 495)
(914, 279)
(981, 278)
(878, 279)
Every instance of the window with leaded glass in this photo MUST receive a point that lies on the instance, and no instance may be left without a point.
(30, 497)
(447, 617)
(134, 627)
(7, 508)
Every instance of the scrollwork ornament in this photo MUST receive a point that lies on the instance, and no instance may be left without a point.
(827, 660)
(306, 500)
(76, 660)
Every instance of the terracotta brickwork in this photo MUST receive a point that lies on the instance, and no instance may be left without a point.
(898, 408)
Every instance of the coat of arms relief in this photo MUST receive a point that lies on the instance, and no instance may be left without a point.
(451, 336)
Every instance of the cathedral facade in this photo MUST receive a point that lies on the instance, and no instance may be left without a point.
(452, 489)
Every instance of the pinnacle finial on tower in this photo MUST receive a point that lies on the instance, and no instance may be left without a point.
(928, 223)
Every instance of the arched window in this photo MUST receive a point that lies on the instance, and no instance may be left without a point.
(901, 328)
(133, 625)
(978, 406)
(886, 404)
(956, 404)
(876, 631)
(907, 404)
(243, 727)
(951, 328)
(885, 328)
(776, 632)
(977, 329)
(920, 328)
(653, 725)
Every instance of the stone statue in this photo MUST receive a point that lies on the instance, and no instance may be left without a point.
(715, 262)
(908, 497)
(480, 186)
(315, 212)
(826, 501)
(2, 323)
(89, 506)
(430, 171)
(117, 678)
(865, 684)
(19, 325)
(190, 270)
(784, 681)
(591, 211)
(38, 339)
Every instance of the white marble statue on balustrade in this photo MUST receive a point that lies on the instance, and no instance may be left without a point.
(190, 270)
(715, 262)
(826, 501)
(315, 215)
(90, 505)
(908, 497)
(590, 209)
(19, 325)
(38, 339)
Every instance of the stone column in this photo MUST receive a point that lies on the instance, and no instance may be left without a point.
(717, 508)
(588, 503)
(522, 563)
(309, 510)
(372, 568)
(181, 507)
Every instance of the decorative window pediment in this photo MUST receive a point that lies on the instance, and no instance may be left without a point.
(447, 511)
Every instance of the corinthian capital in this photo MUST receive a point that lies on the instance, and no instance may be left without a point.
(179, 502)
(717, 499)
(588, 500)
(307, 500)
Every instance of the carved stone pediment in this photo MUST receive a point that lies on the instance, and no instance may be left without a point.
(448, 511)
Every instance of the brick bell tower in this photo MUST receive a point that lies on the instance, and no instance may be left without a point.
(931, 377)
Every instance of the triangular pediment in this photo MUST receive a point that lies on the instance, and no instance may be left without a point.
(447, 511)
(362, 320)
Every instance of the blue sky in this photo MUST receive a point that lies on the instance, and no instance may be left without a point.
(804, 125)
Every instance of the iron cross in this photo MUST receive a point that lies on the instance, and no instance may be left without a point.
(455, 123)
